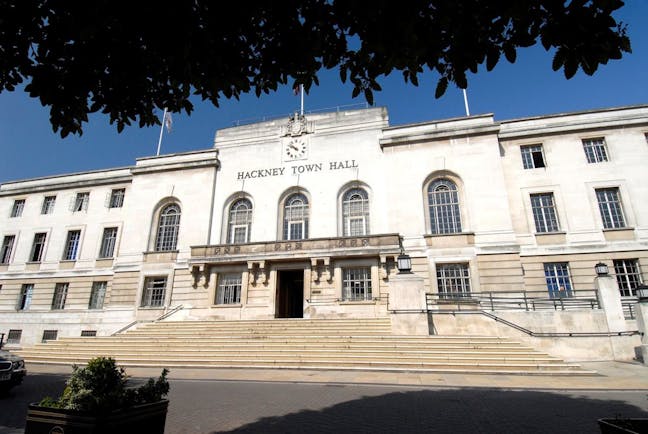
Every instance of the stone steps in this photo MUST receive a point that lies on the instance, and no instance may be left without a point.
(338, 344)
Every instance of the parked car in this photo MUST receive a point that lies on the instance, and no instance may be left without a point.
(12, 370)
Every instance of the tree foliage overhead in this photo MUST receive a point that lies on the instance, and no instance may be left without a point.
(129, 59)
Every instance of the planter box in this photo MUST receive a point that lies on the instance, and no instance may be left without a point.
(623, 426)
(145, 418)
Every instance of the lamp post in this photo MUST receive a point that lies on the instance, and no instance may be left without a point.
(403, 261)
(601, 269)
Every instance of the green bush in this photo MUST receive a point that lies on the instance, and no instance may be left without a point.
(101, 387)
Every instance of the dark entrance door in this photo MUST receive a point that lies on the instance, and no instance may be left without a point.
(290, 294)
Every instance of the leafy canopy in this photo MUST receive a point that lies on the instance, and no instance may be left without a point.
(128, 59)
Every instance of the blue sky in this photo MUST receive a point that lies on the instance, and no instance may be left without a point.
(29, 148)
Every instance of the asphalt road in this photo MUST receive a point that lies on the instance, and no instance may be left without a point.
(199, 406)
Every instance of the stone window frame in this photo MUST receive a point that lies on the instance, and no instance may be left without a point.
(167, 231)
(148, 289)
(229, 288)
(611, 209)
(558, 278)
(543, 222)
(43, 249)
(628, 275)
(7, 250)
(97, 294)
(237, 220)
(461, 201)
(116, 197)
(72, 246)
(80, 202)
(104, 247)
(25, 297)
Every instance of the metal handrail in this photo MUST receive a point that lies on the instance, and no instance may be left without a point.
(519, 300)
(142, 321)
(539, 334)
(628, 306)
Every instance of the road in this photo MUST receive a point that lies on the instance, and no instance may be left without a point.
(199, 406)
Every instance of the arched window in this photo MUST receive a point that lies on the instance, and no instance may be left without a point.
(240, 222)
(355, 213)
(295, 218)
(443, 203)
(168, 227)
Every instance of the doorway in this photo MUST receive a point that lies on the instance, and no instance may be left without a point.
(290, 294)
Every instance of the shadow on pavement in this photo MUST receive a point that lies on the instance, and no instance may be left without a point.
(451, 411)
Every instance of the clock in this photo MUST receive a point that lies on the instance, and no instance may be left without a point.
(295, 149)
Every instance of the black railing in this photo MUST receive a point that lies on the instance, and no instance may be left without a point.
(517, 300)
(628, 305)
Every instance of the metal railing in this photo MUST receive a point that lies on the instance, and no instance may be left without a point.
(628, 305)
(160, 318)
(517, 300)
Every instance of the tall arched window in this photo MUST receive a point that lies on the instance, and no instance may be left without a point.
(240, 222)
(355, 213)
(168, 227)
(443, 203)
(295, 218)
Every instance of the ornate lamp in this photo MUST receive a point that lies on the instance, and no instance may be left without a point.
(642, 292)
(601, 269)
(404, 262)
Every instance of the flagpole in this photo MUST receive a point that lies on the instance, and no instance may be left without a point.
(301, 87)
(161, 131)
(466, 102)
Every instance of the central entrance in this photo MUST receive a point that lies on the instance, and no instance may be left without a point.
(290, 294)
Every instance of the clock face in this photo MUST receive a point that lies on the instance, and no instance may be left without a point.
(296, 149)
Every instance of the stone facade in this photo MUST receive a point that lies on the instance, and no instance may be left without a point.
(305, 217)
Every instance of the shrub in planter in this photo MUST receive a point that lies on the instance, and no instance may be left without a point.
(97, 399)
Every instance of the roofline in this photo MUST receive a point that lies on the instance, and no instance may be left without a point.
(581, 112)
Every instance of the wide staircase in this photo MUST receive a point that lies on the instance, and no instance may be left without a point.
(335, 344)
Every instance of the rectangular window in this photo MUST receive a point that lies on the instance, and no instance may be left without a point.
(229, 289)
(97, 295)
(7, 248)
(117, 198)
(38, 247)
(628, 276)
(595, 150)
(60, 294)
(48, 205)
(558, 280)
(356, 284)
(88, 333)
(18, 206)
(49, 335)
(81, 202)
(295, 230)
(108, 241)
(24, 300)
(239, 234)
(72, 246)
(532, 156)
(356, 226)
(544, 212)
(453, 280)
(609, 202)
(14, 336)
(154, 291)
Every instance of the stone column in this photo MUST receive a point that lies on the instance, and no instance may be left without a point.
(642, 324)
(407, 305)
(610, 299)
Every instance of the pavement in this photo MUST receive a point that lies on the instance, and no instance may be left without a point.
(609, 376)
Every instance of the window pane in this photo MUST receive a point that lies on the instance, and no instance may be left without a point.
(24, 301)
(154, 292)
(558, 280)
(17, 209)
(595, 150)
(544, 212)
(48, 205)
(443, 202)
(356, 284)
(295, 217)
(60, 294)
(229, 289)
(108, 241)
(37, 247)
(168, 227)
(7, 248)
(532, 156)
(97, 295)
(355, 212)
(453, 280)
(240, 221)
(628, 276)
(72, 245)
(609, 202)
(117, 198)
